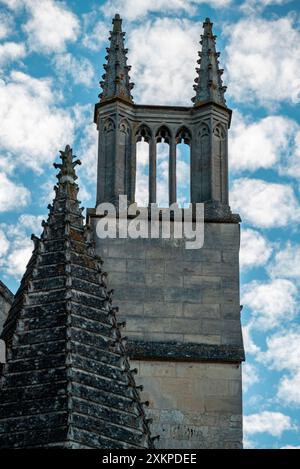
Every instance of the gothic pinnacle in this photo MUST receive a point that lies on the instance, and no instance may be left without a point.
(67, 171)
(209, 86)
(116, 80)
(72, 341)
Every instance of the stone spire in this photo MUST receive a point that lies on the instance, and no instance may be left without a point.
(67, 382)
(209, 86)
(116, 80)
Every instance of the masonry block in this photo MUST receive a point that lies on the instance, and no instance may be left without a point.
(196, 405)
(172, 295)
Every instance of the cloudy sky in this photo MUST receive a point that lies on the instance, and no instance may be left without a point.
(51, 56)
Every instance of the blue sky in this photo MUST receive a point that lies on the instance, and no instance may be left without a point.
(51, 56)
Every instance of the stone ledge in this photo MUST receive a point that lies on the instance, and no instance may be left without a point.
(212, 214)
(190, 352)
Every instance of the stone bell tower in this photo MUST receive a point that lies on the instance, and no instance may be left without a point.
(182, 307)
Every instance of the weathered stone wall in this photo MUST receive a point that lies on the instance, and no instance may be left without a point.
(166, 292)
(175, 300)
(6, 298)
(193, 405)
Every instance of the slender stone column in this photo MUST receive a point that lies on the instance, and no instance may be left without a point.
(172, 171)
(131, 181)
(152, 170)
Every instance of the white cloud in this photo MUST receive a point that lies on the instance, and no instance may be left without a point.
(32, 127)
(95, 36)
(11, 51)
(183, 185)
(156, 43)
(13, 4)
(283, 350)
(163, 174)
(286, 263)
(270, 302)
(263, 143)
(131, 9)
(290, 447)
(21, 246)
(274, 423)
(283, 353)
(84, 194)
(88, 145)
(18, 258)
(250, 375)
(264, 204)
(289, 389)
(263, 70)
(255, 249)
(249, 343)
(248, 443)
(255, 6)
(74, 70)
(12, 195)
(50, 26)
(4, 244)
(7, 165)
(6, 25)
(142, 193)
(291, 164)
(142, 170)
(30, 223)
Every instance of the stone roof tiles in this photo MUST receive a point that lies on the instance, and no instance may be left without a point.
(67, 381)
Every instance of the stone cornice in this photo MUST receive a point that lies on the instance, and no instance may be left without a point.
(210, 216)
(138, 108)
(187, 352)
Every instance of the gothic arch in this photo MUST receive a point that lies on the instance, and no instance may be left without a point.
(109, 125)
(163, 134)
(219, 185)
(183, 134)
(204, 130)
(143, 132)
(124, 127)
(219, 131)
(202, 165)
(182, 165)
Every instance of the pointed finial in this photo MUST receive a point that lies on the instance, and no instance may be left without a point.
(209, 86)
(67, 171)
(117, 24)
(116, 80)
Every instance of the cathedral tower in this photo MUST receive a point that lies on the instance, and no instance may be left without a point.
(181, 306)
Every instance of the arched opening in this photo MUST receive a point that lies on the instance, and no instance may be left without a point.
(183, 167)
(163, 137)
(124, 155)
(109, 146)
(143, 136)
(219, 179)
(203, 166)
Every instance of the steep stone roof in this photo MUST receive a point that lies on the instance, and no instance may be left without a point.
(116, 80)
(209, 86)
(67, 382)
(6, 293)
